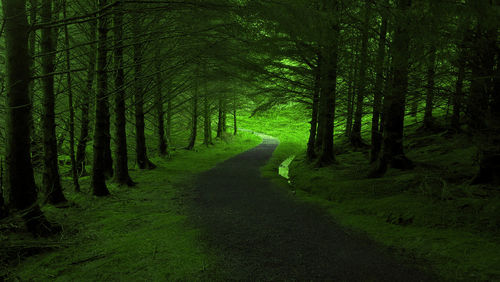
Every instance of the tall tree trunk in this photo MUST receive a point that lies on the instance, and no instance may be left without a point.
(51, 179)
(224, 115)
(481, 62)
(99, 168)
(194, 124)
(143, 161)
(4, 212)
(35, 152)
(121, 175)
(376, 137)
(394, 111)
(485, 85)
(457, 98)
(351, 94)
(160, 112)
(328, 91)
(20, 181)
(431, 71)
(220, 120)
(85, 104)
(108, 159)
(71, 126)
(311, 152)
(168, 128)
(207, 122)
(356, 139)
(235, 126)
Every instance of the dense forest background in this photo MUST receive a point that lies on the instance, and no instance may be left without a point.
(94, 89)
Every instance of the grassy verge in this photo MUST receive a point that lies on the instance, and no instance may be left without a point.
(138, 233)
(430, 214)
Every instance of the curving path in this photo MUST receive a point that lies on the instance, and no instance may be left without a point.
(261, 233)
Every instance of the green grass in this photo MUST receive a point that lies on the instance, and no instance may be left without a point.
(430, 214)
(138, 233)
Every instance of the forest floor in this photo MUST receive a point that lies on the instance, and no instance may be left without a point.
(430, 213)
(139, 233)
(188, 220)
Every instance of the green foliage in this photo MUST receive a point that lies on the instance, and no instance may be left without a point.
(428, 213)
(138, 233)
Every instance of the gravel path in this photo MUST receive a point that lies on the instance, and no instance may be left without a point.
(261, 233)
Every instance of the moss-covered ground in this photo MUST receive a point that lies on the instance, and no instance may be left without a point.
(138, 233)
(430, 213)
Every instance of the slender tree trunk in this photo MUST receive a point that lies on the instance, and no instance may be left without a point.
(224, 115)
(121, 175)
(51, 179)
(431, 70)
(20, 181)
(394, 111)
(74, 173)
(376, 142)
(35, 152)
(194, 129)
(220, 121)
(160, 113)
(108, 159)
(99, 168)
(356, 139)
(140, 146)
(311, 152)
(350, 102)
(235, 127)
(207, 123)
(168, 129)
(4, 212)
(457, 98)
(85, 104)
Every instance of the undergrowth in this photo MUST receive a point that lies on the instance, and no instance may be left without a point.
(430, 213)
(137, 233)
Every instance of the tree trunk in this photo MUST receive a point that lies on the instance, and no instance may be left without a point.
(207, 123)
(143, 161)
(51, 179)
(431, 71)
(356, 139)
(328, 93)
(85, 104)
(220, 120)
(121, 175)
(20, 181)
(160, 113)
(35, 152)
(235, 127)
(376, 138)
(485, 85)
(99, 167)
(457, 98)
(351, 93)
(311, 152)
(74, 173)
(169, 119)
(481, 62)
(224, 115)
(194, 124)
(394, 111)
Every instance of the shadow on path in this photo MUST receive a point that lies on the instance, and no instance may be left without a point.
(261, 233)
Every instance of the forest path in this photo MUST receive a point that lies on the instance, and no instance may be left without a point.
(260, 232)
